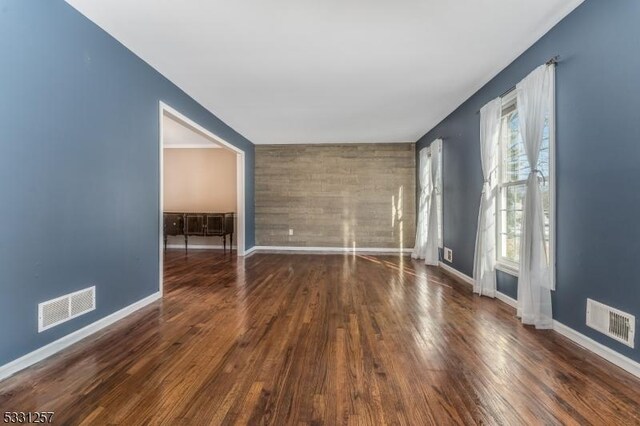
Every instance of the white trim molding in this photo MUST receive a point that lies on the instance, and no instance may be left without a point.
(64, 342)
(176, 115)
(334, 249)
(507, 269)
(249, 251)
(200, 247)
(599, 349)
(380, 250)
(587, 343)
(507, 299)
(468, 280)
(452, 271)
(191, 146)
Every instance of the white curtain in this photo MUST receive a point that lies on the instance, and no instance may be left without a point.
(431, 255)
(484, 266)
(426, 246)
(534, 290)
(420, 247)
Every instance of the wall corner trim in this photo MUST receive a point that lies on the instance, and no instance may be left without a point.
(249, 251)
(587, 343)
(64, 342)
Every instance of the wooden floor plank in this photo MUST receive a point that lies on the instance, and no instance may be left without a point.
(322, 339)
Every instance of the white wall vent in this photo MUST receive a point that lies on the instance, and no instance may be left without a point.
(616, 324)
(64, 308)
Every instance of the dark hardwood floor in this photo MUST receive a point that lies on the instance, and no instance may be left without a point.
(313, 339)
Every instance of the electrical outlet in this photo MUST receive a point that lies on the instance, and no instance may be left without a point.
(290, 231)
(448, 255)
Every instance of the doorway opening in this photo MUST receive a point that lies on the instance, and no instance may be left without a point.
(201, 189)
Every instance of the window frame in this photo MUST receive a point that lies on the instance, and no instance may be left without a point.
(507, 265)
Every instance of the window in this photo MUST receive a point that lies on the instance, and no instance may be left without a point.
(513, 171)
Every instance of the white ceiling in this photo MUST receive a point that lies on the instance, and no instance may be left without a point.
(327, 71)
(178, 135)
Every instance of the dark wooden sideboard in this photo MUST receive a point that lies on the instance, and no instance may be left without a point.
(199, 224)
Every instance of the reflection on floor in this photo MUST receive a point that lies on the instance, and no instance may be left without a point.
(284, 339)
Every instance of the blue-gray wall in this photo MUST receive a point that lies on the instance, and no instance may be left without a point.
(597, 169)
(79, 168)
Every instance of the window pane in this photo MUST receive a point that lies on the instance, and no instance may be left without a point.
(544, 189)
(543, 160)
(511, 223)
(515, 164)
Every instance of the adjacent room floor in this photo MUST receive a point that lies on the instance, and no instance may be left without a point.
(289, 339)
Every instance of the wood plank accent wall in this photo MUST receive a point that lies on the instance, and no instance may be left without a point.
(335, 195)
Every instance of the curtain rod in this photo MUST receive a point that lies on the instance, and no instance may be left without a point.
(552, 61)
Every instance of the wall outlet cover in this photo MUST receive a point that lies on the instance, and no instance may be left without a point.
(448, 254)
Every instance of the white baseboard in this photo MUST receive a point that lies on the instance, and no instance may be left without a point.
(468, 280)
(249, 251)
(68, 340)
(599, 349)
(462, 277)
(507, 299)
(334, 249)
(199, 246)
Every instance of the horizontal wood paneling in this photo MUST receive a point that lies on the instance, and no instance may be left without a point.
(335, 195)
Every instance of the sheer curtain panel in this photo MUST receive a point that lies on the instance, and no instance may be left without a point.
(432, 255)
(426, 246)
(420, 247)
(534, 100)
(484, 266)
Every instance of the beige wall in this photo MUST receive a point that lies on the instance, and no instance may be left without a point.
(199, 180)
(335, 195)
